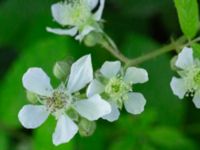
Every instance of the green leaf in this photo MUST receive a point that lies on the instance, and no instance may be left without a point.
(188, 15)
(196, 49)
(24, 20)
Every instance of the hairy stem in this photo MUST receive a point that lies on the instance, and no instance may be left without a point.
(178, 44)
(174, 45)
(116, 53)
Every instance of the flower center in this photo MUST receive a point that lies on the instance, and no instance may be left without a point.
(59, 102)
(197, 78)
(80, 13)
(117, 88)
(192, 80)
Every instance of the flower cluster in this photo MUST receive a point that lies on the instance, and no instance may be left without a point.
(82, 98)
(60, 101)
(188, 67)
(103, 97)
(78, 17)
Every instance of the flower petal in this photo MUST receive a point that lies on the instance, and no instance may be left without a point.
(60, 12)
(110, 68)
(32, 116)
(178, 87)
(81, 74)
(70, 32)
(95, 87)
(135, 103)
(65, 130)
(196, 99)
(92, 3)
(114, 115)
(83, 33)
(99, 12)
(185, 58)
(92, 108)
(36, 80)
(136, 75)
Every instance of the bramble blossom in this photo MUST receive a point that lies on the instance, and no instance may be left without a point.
(59, 101)
(77, 17)
(115, 85)
(189, 71)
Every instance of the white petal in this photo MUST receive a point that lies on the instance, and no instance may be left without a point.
(196, 99)
(32, 116)
(110, 68)
(135, 103)
(93, 108)
(95, 87)
(136, 75)
(81, 74)
(65, 130)
(99, 12)
(178, 87)
(83, 33)
(114, 115)
(36, 80)
(61, 13)
(70, 32)
(92, 3)
(185, 58)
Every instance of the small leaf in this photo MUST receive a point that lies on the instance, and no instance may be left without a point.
(188, 15)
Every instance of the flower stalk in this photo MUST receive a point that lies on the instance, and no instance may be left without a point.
(174, 45)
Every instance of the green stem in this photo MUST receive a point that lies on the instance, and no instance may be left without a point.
(175, 45)
(115, 53)
(111, 47)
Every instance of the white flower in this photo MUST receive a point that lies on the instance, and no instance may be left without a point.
(78, 17)
(189, 70)
(116, 86)
(58, 101)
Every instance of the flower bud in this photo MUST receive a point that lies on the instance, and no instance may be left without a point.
(32, 97)
(173, 63)
(61, 69)
(86, 127)
(92, 39)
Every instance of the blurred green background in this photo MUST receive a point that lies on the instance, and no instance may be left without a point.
(137, 26)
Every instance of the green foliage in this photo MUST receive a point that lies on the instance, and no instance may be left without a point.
(166, 138)
(25, 20)
(196, 49)
(4, 141)
(188, 15)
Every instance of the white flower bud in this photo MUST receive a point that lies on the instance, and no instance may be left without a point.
(61, 69)
(92, 39)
